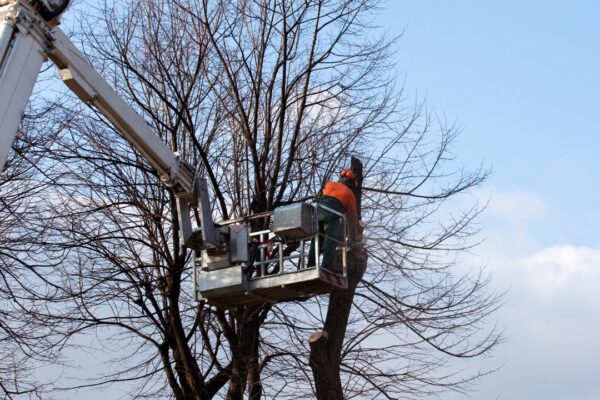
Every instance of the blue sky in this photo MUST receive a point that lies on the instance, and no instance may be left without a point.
(522, 79)
(523, 82)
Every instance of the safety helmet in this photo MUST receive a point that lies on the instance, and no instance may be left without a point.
(348, 173)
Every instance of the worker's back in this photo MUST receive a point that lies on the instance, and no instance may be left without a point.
(341, 192)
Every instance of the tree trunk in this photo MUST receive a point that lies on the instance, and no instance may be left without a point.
(326, 346)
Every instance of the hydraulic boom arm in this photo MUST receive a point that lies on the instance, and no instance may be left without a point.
(29, 34)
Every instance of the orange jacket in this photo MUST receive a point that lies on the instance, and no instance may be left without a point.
(345, 196)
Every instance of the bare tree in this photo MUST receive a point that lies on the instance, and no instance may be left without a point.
(270, 98)
(27, 344)
(308, 86)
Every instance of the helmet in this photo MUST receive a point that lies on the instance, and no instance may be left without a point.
(348, 178)
(348, 173)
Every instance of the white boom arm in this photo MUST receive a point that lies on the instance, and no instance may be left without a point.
(21, 57)
(90, 87)
(26, 40)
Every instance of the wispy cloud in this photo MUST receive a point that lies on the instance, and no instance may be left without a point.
(517, 206)
(555, 267)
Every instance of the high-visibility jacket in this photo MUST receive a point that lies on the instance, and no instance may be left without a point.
(344, 195)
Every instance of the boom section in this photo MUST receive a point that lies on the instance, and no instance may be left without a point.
(92, 88)
(23, 49)
(29, 34)
(26, 40)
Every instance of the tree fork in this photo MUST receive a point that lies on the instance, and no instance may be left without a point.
(245, 372)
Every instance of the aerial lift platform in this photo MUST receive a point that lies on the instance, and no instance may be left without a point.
(271, 265)
(233, 265)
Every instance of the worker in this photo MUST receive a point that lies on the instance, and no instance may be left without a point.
(339, 197)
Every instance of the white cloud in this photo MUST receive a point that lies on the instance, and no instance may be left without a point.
(550, 318)
(555, 267)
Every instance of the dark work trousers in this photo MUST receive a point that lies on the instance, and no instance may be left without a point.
(331, 226)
